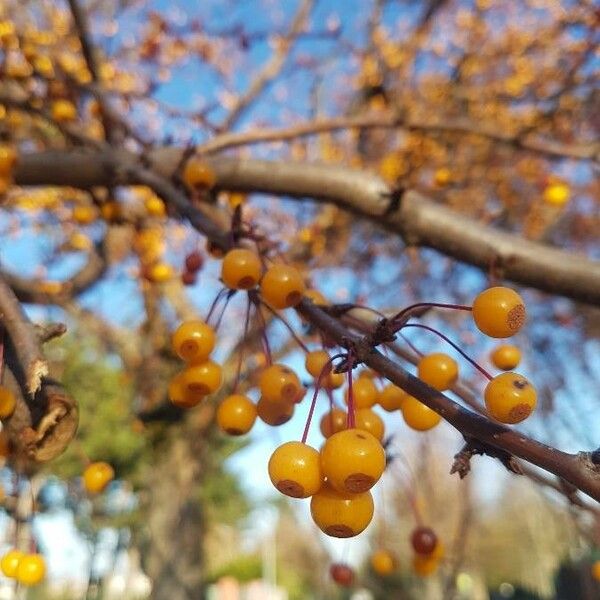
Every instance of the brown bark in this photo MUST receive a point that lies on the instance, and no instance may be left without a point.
(412, 216)
(172, 555)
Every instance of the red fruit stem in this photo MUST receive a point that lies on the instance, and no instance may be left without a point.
(405, 312)
(324, 371)
(330, 397)
(411, 345)
(214, 304)
(222, 314)
(287, 325)
(242, 347)
(455, 346)
(351, 422)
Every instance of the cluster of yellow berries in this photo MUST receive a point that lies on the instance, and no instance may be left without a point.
(27, 569)
(338, 479)
(499, 312)
(193, 342)
(8, 160)
(281, 286)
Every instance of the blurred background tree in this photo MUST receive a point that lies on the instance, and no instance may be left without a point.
(487, 108)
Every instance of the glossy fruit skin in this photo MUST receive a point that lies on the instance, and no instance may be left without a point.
(10, 562)
(364, 393)
(334, 381)
(278, 383)
(7, 402)
(418, 416)
(383, 562)
(333, 421)
(506, 357)
(391, 397)
(180, 396)
(193, 341)
(341, 515)
(295, 470)
(499, 312)
(31, 569)
(424, 565)
(423, 540)
(510, 398)
(97, 476)
(274, 413)
(202, 378)
(438, 370)
(368, 420)
(236, 414)
(241, 269)
(282, 286)
(353, 461)
(197, 175)
(315, 361)
(342, 574)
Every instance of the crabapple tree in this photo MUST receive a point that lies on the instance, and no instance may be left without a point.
(392, 193)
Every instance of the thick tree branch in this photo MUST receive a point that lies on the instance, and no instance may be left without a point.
(45, 417)
(341, 187)
(578, 470)
(24, 338)
(417, 219)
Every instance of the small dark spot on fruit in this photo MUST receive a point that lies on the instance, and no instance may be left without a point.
(245, 283)
(357, 483)
(519, 412)
(339, 531)
(290, 488)
(234, 431)
(293, 298)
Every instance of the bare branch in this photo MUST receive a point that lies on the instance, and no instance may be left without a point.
(272, 68)
(578, 469)
(531, 142)
(33, 291)
(24, 338)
